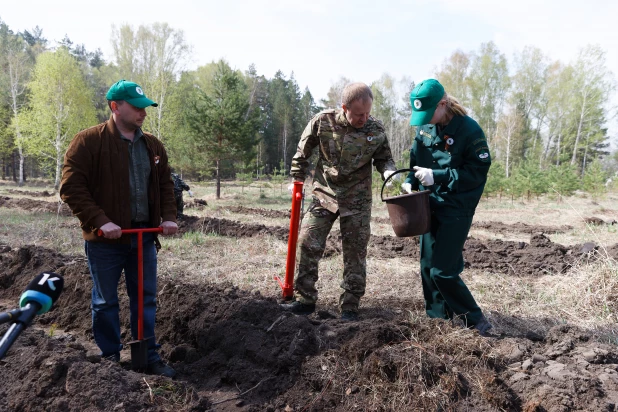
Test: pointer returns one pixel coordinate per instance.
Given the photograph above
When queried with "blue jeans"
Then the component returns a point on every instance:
(106, 263)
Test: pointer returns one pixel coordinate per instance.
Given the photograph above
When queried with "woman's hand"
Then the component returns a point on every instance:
(424, 175)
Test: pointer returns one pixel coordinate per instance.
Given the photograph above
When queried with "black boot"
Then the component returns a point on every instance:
(299, 308)
(160, 368)
(483, 326)
(349, 315)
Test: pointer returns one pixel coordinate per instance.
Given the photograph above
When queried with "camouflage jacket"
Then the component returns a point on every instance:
(179, 184)
(342, 178)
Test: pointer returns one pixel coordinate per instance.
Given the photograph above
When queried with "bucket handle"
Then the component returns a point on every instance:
(389, 178)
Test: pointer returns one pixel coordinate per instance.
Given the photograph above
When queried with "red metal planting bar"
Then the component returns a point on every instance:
(288, 285)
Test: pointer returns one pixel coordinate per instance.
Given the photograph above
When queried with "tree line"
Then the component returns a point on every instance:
(541, 118)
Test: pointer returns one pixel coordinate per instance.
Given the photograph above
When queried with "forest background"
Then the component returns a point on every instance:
(546, 120)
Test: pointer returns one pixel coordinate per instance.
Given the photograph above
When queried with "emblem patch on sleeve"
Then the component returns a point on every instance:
(483, 154)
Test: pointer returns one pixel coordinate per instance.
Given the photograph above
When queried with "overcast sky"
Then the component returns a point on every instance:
(322, 40)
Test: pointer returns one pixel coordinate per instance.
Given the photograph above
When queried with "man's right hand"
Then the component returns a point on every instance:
(406, 187)
(291, 185)
(111, 231)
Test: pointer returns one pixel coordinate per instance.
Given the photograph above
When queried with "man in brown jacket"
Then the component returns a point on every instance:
(117, 177)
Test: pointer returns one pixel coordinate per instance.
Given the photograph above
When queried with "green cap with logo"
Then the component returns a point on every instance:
(424, 100)
(131, 93)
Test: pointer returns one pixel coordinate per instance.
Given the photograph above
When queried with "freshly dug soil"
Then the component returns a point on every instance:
(236, 350)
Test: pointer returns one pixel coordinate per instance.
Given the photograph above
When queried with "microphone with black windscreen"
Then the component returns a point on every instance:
(38, 298)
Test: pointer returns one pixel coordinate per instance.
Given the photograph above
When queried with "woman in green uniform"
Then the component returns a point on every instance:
(449, 157)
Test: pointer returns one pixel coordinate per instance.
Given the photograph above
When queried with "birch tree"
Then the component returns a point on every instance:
(391, 105)
(528, 84)
(152, 56)
(508, 138)
(559, 96)
(60, 106)
(454, 76)
(333, 96)
(489, 82)
(591, 91)
(16, 64)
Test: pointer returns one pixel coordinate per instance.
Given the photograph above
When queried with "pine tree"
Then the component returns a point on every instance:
(594, 179)
(219, 121)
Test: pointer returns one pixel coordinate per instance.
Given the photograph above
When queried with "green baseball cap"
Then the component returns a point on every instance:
(424, 100)
(131, 93)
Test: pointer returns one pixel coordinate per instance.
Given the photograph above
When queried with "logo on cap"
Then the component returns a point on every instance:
(139, 91)
(417, 104)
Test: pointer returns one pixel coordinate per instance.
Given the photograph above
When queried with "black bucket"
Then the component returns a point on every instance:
(410, 214)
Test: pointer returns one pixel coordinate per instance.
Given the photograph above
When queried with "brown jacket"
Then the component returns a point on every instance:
(95, 181)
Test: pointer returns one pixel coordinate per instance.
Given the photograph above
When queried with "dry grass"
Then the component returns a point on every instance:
(169, 396)
(432, 367)
(550, 212)
(19, 227)
(249, 263)
(585, 296)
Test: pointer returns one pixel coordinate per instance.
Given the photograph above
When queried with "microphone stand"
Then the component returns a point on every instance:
(20, 319)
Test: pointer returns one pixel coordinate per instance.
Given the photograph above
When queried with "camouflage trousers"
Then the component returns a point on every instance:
(355, 232)
(180, 205)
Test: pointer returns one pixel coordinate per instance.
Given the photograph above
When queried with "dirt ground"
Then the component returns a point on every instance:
(539, 256)
(35, 205)
(235, 350)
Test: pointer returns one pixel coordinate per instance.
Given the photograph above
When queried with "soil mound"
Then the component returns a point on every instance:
(276, 214)
(566, 371)
(197, 204)
(235, 350)
(597, 221)
(227, 227)
(540, 256)
(283, 214)
(503, 228)
(36, 205)
(44, 193)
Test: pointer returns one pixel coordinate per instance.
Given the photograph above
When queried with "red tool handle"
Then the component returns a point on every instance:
(131, 231)
(140, 272)
(288, 284)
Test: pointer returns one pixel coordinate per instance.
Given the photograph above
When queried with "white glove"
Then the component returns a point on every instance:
(424, 175)
(291, 187)
(190, 193)
(386, 174)
(407, 187)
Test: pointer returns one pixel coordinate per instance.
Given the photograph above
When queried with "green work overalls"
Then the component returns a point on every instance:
(460, 159)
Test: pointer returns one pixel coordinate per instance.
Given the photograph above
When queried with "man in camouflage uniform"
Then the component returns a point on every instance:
(349, 140)
(179, 186)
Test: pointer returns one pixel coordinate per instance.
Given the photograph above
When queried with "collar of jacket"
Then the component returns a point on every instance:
(113, 129)
(341, 119)
(426, 135)
(452, 126)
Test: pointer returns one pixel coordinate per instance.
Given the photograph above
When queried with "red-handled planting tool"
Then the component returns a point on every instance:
(139, 347)
(288, 284)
